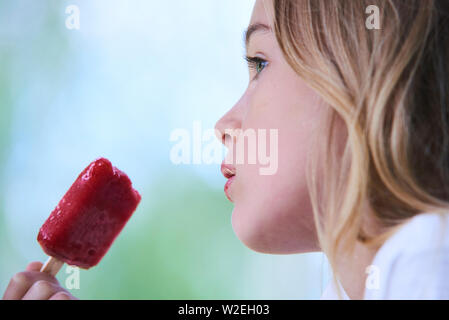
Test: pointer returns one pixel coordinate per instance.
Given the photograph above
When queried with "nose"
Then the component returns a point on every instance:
(231, 121)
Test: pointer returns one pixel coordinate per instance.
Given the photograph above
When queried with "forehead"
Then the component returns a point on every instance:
(261, 12)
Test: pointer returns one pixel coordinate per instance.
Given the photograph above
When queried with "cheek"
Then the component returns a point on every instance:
(273, 213)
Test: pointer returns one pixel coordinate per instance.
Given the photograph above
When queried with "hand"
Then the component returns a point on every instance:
(34, 285)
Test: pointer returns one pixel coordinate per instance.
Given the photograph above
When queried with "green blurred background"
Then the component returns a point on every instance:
(134, 72)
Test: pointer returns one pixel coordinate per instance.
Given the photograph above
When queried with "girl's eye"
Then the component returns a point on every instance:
(256, 63)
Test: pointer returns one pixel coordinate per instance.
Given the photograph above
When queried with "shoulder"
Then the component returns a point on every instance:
(331, 292)
(414, 262)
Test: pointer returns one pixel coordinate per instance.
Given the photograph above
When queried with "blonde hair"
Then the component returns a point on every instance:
(389, 90)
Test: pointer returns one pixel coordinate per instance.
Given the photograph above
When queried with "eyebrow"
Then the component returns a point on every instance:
(253, 28)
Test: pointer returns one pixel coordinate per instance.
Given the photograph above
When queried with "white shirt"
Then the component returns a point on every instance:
(411, 264)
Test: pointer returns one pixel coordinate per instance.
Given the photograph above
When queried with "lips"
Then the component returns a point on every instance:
(227, 170)
(229, 173)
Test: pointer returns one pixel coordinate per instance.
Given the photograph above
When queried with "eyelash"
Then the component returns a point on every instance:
(254, 64)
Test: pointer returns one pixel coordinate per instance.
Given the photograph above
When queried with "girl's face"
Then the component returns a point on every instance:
(272, 213)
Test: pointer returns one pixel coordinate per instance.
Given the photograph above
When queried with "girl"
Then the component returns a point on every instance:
(362, 116)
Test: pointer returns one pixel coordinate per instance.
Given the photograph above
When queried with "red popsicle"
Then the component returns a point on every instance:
(88, 218)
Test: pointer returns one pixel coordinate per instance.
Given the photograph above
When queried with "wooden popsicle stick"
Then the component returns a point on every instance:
(52, 266)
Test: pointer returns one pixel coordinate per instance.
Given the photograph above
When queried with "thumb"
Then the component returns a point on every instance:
(34, 266)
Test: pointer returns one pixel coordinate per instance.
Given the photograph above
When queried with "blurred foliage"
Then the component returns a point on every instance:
(29, 56)
(6, 57)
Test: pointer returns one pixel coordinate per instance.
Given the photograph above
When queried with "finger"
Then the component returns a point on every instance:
(18, 286)
(62, 295)
(41, 290)
(34, 266)
(21, 282)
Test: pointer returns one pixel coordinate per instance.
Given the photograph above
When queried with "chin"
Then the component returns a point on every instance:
(260, 236)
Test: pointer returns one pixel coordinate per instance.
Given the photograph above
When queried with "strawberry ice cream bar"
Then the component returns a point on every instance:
(90, 216)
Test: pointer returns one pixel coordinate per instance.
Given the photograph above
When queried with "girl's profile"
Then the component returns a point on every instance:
(362, 121)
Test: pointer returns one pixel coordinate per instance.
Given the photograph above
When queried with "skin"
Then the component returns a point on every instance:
(266, 216)
(34, 285)
(272, 214)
